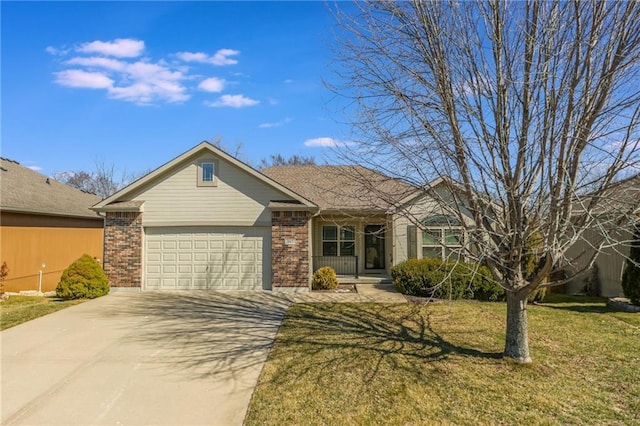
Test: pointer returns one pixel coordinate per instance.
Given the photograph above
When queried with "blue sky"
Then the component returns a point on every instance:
(137, 83)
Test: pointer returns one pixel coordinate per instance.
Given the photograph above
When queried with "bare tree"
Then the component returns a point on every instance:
(104, 180)
(532, 107)
(279, 160)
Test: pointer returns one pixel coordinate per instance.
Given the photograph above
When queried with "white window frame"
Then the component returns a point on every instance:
(339, 240)
(201, 181)
(441, 240)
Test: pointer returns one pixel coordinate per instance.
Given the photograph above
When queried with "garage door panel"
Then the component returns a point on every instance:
(200, 245)
(207, 258)
(200, 257)
(169, 245)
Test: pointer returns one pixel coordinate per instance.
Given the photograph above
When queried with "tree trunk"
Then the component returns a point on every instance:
(517, 341)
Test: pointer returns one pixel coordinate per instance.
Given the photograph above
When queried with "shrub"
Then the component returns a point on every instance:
(4, 271)
(83, 279)
(440, 279)
(324, 279)
(631, 274)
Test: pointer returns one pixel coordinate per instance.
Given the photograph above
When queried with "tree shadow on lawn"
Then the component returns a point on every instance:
(369, 334)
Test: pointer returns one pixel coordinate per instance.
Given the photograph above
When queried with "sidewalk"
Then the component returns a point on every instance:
(367, 293)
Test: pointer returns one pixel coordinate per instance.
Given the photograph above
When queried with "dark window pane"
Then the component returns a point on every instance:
(330, 248)
(348, 233)
(432, 252)
(207, 172)
(347, 249)
(453, 237)
(330, 232)
(431, 237)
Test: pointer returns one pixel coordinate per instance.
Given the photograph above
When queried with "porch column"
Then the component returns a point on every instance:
(290, 250)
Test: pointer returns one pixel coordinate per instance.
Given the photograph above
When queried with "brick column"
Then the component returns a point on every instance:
(123, 249)
(290, 249)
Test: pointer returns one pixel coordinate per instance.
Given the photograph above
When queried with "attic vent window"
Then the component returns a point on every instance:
(207, 173)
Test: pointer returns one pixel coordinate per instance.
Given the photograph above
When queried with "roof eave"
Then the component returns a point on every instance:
(49, 213)
(204, 145)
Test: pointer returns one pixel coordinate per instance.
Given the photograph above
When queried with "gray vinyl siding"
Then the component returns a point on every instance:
(238, 199)
(611, 262)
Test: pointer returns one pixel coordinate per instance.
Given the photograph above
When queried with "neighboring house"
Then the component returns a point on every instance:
(44, 226)
(619, 200)
(205, 220)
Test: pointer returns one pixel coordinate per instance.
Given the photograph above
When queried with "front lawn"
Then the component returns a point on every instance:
(19, 309)
(440, 363)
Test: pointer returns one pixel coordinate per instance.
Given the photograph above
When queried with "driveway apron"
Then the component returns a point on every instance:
(189, 358)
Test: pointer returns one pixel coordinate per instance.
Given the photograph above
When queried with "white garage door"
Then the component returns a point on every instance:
(207, 258)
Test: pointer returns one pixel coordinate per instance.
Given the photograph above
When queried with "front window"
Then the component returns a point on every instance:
(338, 240)
(444, 241)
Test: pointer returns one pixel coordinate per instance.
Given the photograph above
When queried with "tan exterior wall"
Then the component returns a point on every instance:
(611, 262)
(238, 199)
(26, 248)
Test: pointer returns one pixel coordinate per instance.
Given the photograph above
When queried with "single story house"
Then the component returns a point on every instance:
(206, 220)
(44, 226)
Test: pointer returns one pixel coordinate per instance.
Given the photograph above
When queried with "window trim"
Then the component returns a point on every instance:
(200, 173)
(339, 240)
(441, 240)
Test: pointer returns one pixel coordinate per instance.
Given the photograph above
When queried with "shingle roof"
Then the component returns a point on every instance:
(24, 190)
(341, 188)
(620, 198)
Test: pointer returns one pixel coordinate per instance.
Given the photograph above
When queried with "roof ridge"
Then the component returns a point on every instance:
(9, 160)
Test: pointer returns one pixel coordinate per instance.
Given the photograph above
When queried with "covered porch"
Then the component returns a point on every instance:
(356, 247)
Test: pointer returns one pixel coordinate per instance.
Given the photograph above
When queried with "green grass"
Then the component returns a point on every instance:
(440, 363)
(19, 309)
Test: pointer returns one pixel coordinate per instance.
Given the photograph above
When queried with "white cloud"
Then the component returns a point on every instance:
(139, 82)
(325, 142)
(55, 51)
(83, 79)
(121, 47)
(276, 123)
(34, 168)
(220, 58)
(288, 81)
(116, 67)
(98, 62)
(233, 101)
(212, 84)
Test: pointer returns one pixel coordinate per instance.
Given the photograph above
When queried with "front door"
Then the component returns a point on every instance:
(374, 247)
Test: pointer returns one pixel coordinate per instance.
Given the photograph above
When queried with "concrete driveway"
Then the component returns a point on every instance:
(140, 359)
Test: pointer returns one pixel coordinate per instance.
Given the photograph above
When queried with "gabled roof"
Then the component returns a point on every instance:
(203, 147)
(342, 188)
(619, 198)
(26, 191)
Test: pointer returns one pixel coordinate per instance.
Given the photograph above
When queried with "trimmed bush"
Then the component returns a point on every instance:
(83, 279)
(631, 274)
(324, 279)
(444, 280)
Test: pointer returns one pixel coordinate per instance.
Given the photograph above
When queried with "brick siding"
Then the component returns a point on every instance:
(123, 249)
(290, 249)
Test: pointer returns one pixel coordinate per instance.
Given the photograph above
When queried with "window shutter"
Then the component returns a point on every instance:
(412, 242)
